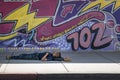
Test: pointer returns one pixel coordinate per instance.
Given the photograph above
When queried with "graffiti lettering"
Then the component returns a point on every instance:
(80, 24)
(84, 37)
(100, 40)
(74, 39)
(61, 29)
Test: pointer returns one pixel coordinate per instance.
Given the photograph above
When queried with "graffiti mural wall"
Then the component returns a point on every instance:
(64, 24)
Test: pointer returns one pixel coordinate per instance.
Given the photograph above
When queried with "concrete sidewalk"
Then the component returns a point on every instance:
(82, 63)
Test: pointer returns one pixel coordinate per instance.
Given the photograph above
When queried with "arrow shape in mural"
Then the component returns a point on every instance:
(67, 10)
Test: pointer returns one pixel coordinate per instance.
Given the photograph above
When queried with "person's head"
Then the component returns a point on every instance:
(56, 54)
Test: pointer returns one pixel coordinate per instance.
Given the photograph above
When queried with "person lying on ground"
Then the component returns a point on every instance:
(45, 56)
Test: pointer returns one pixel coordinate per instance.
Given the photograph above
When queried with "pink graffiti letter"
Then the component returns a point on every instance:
(85, 38)
(74, 39)
(100, 40)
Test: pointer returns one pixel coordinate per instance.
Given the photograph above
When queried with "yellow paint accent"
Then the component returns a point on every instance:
(102, 3)
(117, 4)
(22, 17)
(8, 36)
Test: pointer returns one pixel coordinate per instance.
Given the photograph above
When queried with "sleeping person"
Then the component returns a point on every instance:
(45, 56)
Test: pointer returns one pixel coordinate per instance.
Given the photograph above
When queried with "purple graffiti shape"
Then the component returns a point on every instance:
(66, 27)
(67, 11)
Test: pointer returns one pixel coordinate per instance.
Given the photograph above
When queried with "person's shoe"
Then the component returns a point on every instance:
(67, 59)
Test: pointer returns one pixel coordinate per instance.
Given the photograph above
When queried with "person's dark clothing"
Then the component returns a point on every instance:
(49, 57)
(37, 56)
